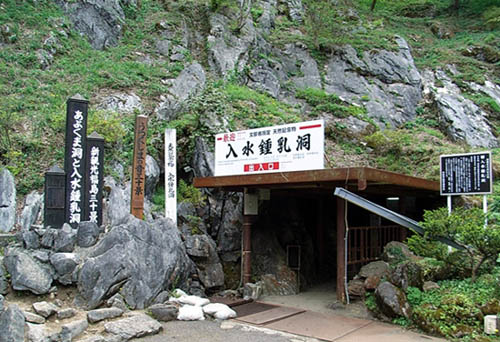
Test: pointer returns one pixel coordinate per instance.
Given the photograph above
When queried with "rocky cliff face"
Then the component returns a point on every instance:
(386, 83)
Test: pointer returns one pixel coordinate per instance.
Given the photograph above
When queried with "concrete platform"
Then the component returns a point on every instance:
(327, 327)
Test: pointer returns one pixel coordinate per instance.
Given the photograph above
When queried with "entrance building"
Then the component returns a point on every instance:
(341, 237)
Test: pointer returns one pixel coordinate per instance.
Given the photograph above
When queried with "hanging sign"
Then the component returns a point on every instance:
(466, 174)
(170, 175)
(292, 147)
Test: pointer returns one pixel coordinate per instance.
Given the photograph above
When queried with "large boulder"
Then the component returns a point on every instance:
(12, 324)
(386, 83)
(459, 117)
(379, 269)
(189, 83)
(7, 201)
(134, 326)
(100, 21)
(203, 251)
(87, 234)
(26, 274)
(32, 205)
(392, 301)
(64, 265)
(118, 204)
(139, 259)
(396, 252)
(407, 274)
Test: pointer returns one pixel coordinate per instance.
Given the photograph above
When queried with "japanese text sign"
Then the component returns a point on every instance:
(74, 161)
(469, 173)
(292, 147)
(139, 167)
(171, 174)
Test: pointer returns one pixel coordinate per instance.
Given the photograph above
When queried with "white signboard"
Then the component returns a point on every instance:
(292, 147)
(171, 175)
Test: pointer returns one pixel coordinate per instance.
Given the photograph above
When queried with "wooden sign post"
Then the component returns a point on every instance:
(94, 178)
(74, 159)
(139, 167)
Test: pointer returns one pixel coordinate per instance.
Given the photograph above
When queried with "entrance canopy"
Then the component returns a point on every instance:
(363, 179)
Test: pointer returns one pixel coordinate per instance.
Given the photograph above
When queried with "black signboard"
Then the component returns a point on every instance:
(94, 178)
(55, 182)
(74, 159)
(463, 174)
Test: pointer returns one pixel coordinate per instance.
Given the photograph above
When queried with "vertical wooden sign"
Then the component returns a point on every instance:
(74, 159)
(139, 167)
(94, 178)
(171, 175)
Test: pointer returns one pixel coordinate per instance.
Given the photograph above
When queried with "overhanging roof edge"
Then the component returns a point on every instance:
(314, 177)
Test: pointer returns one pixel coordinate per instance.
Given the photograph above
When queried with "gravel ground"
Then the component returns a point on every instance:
(213, 331)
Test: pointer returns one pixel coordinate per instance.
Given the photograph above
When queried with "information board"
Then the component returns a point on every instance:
(292, 147)
(463, 174)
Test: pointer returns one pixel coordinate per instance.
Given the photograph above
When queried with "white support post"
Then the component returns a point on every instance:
(448, 200)
(485, 209)
(171, 175)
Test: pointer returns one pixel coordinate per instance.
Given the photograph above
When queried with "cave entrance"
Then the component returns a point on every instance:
(297, 211)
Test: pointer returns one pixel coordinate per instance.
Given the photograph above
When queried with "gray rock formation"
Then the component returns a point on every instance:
(227, 52)
(138, 258)
(203, 251)
(33, 318)
(387, 83)
(203, 159)
(118, 206)
(37, 333)
(7, 201)
(65, 239)
(26, 273)
(295, 10)
(1, 303)
(12, 324)
(32, 205)
(44, 309)
(64, 264)
(376, 268)
(73, 329)
(189, 83)
(407, 274)
(122, 103)
(459, 117)
(228, 221)
(98, 315)
(100, 21)
(66, 313)
(164, 312)
(31, 239)
(87, 234)
(152, 176)
(392, 301)
(134, 326)
(4, 282)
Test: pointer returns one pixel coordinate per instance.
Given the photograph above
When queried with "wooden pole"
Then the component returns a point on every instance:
(341, 267)
(139, 167)
(247, 249)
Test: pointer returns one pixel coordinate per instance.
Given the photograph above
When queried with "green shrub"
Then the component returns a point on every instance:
(188, 193)
(427, 248)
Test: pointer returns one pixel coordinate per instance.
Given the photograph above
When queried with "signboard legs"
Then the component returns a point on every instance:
(171, 175)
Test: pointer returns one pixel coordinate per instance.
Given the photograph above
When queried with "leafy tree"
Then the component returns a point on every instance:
(467, 228)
